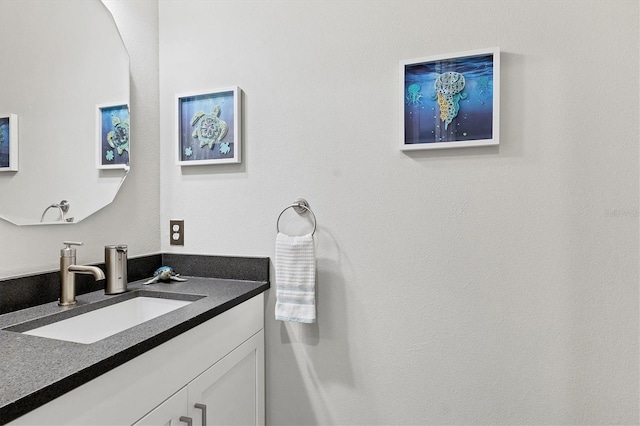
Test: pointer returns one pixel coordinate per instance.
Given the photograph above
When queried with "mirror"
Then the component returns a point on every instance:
(65, 69)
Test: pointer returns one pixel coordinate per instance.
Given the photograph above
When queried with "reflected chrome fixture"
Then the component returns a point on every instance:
(68, 269)
(63, 208)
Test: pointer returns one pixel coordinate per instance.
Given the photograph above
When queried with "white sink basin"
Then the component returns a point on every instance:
(104, 322)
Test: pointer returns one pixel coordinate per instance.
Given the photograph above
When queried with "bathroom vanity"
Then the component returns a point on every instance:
(202, 360)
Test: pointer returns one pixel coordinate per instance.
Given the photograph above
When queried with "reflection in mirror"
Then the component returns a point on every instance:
(62, 62)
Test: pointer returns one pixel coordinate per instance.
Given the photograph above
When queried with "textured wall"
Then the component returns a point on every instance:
(476, 286)
(133, 217)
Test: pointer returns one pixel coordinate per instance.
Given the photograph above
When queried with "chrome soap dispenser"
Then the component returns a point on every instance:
(115, 259)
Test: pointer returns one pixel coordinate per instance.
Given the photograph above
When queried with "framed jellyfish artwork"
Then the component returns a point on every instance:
(208, 127)
(9, 143)
(450, 101)
(113, 139)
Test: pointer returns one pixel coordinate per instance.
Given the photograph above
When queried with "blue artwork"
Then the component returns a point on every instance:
(4, 142)
(413, 96)
(114, 135)
(225, 147)
(206, 126)
(449, 100)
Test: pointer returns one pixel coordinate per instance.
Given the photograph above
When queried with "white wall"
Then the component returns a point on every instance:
(133, 218)
(477, 286)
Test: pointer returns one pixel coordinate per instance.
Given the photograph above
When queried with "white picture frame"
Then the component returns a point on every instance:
(9, 158)
(450, 100)
(208, 127)
(113, 136)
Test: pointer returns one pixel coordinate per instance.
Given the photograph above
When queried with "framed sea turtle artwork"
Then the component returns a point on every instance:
(450, 101)
(9, 143)
(208, 127)
(113, 136)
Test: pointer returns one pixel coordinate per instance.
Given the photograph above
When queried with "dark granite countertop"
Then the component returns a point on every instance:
(35, 370)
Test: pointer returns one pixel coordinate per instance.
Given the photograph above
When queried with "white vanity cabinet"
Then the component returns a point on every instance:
(228, 393)
(218, 365)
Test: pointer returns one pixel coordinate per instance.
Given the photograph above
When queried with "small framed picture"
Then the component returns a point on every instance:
(450, 101)
(9, 143)
(208, 127)
(113, 139)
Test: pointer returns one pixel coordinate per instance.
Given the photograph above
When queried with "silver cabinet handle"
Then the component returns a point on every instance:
(187, 420)
(203, 407)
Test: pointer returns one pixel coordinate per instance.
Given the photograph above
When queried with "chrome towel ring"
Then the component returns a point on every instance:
(301, 206)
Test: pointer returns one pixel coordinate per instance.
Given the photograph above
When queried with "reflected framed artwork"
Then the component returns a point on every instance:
(113, 139)
(9, 143)
(450, 101)
(208, 127)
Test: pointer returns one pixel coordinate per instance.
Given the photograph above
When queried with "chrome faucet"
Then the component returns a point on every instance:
(68, 269)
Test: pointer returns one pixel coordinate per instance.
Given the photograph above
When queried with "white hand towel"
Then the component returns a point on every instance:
(295, 278)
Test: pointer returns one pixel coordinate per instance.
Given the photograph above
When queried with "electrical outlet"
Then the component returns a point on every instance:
(176, 233)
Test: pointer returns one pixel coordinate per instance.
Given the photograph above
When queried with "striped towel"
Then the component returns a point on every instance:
(295, 278)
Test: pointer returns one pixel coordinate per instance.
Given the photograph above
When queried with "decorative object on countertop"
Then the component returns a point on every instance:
(115, 260)
(450, 101)
(165, 274)
(295, 265)
(9, 143)
(209, 127)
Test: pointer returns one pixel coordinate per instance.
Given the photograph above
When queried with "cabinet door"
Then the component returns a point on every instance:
(168, 413)
(232, 390)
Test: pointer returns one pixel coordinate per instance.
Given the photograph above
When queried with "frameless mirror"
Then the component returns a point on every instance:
(65, 75)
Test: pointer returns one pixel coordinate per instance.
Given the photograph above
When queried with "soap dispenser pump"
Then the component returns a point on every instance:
(115, 259)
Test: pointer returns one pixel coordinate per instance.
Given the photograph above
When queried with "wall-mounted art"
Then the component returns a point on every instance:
(208, 126)
(9, 143)
(114, 141)
(450, 101)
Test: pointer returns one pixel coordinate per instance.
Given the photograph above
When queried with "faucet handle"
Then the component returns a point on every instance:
(68, 244)
(69, 251)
